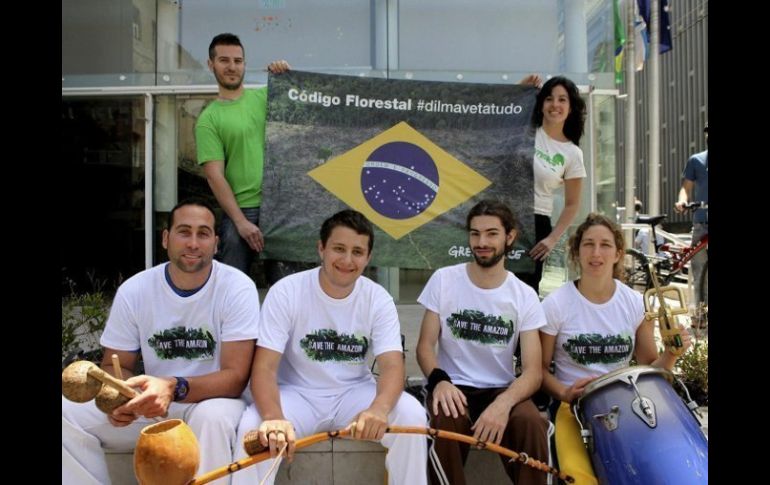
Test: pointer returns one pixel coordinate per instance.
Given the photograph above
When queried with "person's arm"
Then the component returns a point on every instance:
(445, 394)
(492, 422)
(157, 393)
(264, 383)
(278, 67)
(685, 193)
(127, 362)
(572, 188)
(646, 351)
(426, 344)
(532, 80)
(215, 175)
(550, 384)
(230, 380)
(275, 430)
(553, 386)
(372, 422)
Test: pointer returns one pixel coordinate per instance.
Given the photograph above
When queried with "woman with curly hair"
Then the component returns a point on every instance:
(593, 326)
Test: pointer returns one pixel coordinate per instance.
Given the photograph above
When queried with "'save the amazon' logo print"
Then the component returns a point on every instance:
(477, 326)
(593, 348)
(327, 345)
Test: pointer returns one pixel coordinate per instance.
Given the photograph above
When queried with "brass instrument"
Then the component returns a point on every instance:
(669, 330)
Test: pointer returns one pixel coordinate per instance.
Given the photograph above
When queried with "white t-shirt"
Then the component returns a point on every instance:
(592, 339)
(642, 242)
(479, 327)
(324, 341)
(182, 335)
(554, 162)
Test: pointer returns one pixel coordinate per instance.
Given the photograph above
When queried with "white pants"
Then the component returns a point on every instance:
(86, 433)
(406, 460)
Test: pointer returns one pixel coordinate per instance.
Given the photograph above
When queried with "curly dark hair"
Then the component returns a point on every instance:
(575, 122)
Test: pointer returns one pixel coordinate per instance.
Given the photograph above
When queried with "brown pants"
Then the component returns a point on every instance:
(526, 432)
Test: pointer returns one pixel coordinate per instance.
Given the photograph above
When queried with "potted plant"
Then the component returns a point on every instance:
(693, 369)
(82, 321)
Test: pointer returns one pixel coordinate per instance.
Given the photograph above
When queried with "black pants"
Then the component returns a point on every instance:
(526, 432)
(542, 230)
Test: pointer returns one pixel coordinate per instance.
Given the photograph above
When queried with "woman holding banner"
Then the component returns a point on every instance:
(559, 117)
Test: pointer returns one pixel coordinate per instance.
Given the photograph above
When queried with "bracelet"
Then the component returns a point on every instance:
(436, 376)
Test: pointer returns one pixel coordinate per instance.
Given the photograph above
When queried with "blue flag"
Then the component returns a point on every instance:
(665, 23)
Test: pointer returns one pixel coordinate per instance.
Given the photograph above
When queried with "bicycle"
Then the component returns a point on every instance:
(671, 264)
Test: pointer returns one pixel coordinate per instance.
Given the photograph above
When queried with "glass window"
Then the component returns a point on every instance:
(603, 113)
(108, 43)
(485, 35)
(122, 42)
(177, 173)
(311, 35)
(102, 152)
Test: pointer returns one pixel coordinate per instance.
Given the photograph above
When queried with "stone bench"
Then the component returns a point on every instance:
(338, 462)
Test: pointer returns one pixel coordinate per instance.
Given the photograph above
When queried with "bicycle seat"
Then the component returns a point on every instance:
(654, 220)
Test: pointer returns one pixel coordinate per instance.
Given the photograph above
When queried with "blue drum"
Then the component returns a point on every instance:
(639, 431)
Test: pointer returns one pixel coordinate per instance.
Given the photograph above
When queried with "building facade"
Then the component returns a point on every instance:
(134, 80)
(683, 110)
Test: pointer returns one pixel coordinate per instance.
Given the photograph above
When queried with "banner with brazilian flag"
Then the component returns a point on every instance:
(412, 156)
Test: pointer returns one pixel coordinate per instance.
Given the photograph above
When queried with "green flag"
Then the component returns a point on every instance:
(620, 39)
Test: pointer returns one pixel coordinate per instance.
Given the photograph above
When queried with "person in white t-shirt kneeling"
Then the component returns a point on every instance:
(476, 312)
(309, 373)
(194, 321)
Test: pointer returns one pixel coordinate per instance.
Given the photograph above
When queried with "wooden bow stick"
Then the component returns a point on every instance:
(432, 432)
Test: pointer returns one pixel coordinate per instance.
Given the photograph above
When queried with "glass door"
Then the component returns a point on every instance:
(102, 208)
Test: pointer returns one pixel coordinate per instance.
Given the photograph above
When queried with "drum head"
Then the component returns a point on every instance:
(623, 375)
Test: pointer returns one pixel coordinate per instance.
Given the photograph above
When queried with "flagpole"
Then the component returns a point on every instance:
(630, 145)
(654, 107)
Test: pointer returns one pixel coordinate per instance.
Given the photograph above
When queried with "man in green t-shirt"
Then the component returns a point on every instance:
(230, 139)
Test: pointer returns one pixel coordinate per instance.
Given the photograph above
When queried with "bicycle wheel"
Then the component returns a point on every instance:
(637, 273)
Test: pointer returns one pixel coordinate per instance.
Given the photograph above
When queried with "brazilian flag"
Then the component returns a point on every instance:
(399, 180)
(412, 156)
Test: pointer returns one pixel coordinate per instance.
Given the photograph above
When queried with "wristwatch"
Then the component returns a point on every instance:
(181, 389)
